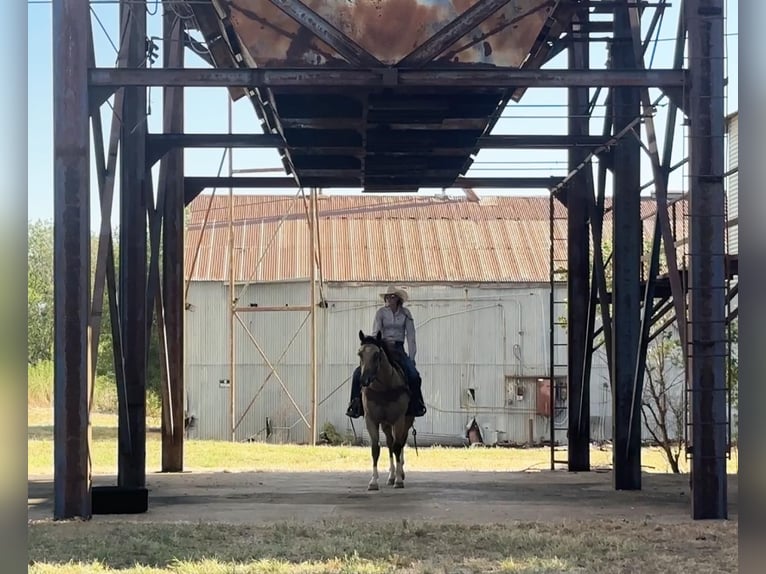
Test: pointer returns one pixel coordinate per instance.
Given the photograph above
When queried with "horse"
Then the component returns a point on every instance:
(385, 398)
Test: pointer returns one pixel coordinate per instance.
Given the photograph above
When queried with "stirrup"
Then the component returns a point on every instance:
(354, 409)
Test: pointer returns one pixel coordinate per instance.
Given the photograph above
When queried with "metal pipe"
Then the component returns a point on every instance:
(232, 297)
(313, 311)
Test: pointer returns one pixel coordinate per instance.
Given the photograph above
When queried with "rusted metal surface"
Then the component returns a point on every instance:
(389, 30)
(131, 465)
(311, 80)
(171, 178)
(325, 31)
(453, 31)
(71, 180)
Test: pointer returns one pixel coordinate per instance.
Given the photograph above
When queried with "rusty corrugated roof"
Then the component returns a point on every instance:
(378, 238)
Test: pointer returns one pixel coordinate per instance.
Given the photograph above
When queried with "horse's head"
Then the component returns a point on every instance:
(370, 354)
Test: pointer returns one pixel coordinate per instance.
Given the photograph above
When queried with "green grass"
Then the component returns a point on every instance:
(596, 546)
(218, 455)
(40, 391)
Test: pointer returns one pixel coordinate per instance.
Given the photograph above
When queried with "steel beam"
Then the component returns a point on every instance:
(71, 261)
(529, 141)
(172, 179)
(456, 29)
(627, 246)
(578, 262)
(160, 144)
(707, 286)
(131, 471)
(307, 78)
(195, 185)
(325, 31)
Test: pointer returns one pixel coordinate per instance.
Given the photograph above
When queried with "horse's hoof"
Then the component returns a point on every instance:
(391, 482)
(372, 487)
(399, 485)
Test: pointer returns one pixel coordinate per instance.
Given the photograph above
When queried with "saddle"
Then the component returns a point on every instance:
(397, 360)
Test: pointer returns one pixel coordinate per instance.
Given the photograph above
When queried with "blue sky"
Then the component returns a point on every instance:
(540, 111)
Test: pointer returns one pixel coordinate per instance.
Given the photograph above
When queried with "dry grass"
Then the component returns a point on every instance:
(216, 455)
(340, 547)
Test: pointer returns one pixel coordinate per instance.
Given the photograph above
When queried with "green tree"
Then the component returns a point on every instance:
(40, 292)
(662, 402)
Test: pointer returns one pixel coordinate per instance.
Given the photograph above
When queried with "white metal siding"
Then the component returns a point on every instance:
(479, 337)
(732, 183)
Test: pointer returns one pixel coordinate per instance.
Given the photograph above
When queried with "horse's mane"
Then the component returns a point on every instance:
(383, 344)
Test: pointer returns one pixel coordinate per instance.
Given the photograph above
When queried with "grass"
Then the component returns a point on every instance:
(217, 455)
(40, 391)
(598, 546)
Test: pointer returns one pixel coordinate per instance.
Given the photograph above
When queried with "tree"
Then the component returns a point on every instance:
(662, 403)
(40, 292)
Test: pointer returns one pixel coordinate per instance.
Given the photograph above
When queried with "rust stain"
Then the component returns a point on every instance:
(497, 239)
(388, 29)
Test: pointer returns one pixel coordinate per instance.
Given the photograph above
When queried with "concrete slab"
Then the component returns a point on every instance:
(458, 497)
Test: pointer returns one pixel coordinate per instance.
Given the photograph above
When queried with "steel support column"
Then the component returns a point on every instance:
(627, 247)
(71, 260)
(578, 259)
(707, 341)
(133, 245)
(172, 177)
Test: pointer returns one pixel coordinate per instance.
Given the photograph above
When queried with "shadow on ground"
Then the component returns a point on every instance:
(456, 497)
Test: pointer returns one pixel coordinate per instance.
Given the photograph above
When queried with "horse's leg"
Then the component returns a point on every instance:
(374, 431)
(408, 425)
(390, 443)
(400, 438)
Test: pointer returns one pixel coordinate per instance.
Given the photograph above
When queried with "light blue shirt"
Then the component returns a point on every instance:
(396, 327)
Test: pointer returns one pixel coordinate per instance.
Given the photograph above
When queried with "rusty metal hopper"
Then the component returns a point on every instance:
(392, 138)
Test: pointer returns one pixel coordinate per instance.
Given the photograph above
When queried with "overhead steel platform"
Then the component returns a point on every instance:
(391, 136)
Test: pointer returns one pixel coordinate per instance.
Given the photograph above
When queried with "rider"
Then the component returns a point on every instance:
(395, 323)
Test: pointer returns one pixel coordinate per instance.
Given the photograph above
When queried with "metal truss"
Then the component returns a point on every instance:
(148, 282)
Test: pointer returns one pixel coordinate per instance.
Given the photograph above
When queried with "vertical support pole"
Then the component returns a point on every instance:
(172, 252)
(313, 305)
(71, 260)
(627, 245)
(232, 295)
(578, 296)
(133, 254)
(707, 352)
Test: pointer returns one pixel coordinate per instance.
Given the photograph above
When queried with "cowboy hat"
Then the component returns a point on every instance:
(398, 291)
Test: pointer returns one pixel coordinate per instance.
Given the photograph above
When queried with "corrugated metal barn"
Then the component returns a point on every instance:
(478, 277)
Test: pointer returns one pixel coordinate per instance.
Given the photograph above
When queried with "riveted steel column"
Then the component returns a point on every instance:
(578, 275)
(627, 247)
(71, 260)
(707, 286)
(131, 466)
(172, 177)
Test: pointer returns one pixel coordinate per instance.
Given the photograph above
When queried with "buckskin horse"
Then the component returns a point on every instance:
(385, 398)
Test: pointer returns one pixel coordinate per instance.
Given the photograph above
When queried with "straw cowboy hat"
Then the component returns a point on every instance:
(398, 291)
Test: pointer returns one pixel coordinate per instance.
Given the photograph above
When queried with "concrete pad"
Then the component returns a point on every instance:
(458, 497)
